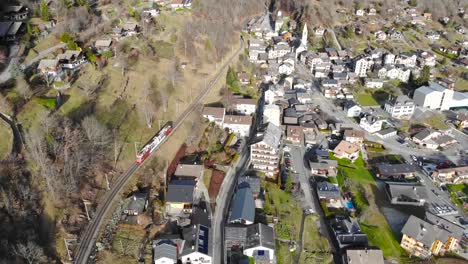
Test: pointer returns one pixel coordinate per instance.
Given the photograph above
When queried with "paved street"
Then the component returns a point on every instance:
(222, 204)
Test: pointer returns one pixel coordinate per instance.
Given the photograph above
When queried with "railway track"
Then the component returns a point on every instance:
(87, 242)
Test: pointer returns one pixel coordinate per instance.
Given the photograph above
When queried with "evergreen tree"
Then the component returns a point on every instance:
(44, 11)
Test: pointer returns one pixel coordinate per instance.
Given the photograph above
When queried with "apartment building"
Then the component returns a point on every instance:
(265, 152)
(436, 236)
(400, 107)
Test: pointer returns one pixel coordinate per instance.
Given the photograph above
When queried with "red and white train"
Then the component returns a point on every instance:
(154, 143)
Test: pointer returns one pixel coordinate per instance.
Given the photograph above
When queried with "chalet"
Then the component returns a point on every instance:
(71, 59)
(330, 194)
(354, 136)
(346, 150)
(135, 206)
(348, 232)
(102, 45)
(179, 197)
(455, 175)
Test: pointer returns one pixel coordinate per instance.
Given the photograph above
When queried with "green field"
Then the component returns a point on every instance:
(460, 188)
(357, 179)
(282, 205)
(366, 99)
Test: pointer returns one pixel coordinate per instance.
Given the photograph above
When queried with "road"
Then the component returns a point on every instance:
(88, 239)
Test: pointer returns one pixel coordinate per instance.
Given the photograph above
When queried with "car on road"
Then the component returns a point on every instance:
(287, 155)
(413, 157)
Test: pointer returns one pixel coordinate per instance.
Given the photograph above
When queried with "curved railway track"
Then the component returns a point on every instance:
(88, 239)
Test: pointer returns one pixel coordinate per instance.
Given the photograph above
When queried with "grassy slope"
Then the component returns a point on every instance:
(6, 139)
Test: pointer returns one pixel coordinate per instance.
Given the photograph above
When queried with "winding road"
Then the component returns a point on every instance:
(87, 241)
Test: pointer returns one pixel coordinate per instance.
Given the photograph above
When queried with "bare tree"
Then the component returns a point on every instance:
(98, 136)
(5, 106)
(30, 251)
(147, 109)
(22, 87)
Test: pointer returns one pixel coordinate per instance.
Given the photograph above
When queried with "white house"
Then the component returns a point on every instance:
(389, 58)
(262, 245)
(427, 59)
(352, 109)
(272, 114)
(360, 12)
(319, 31)
(244, 106)
(361, 65)
(380, 35)
(374, 83)
(197, 245)
(433, 35)
(238, 124)
(286, 68)
(371, 123)
(214, 114)
(398, 72)
(400, 107)
(407, 59)
(274, 93)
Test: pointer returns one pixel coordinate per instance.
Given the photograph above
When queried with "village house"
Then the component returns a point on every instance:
(294, 134)
(198, 244)
(400, 107)
(243, 77)
(380, 35)
(255, 241)
(167, 251)
(433, 35)
(395, 171)
(330, 194)
(371, 123)
(348, 232)
(406, 59)
(455, 175)
(406, 194)
(272, 114)
(192, 172)
(49, 67)
(387, 133)
(102, 45)
(179, 197)
(279, 50)
(324, 167)
(352, 109)
(361, 65)
(243, 206)
(423, 239)
(265, 151)
(243, 106)
(238, 124)
(346, 150)
(433, 139)
(134, 208)
(71, 59)
(319, 31)
(354, 136)
(214, 114)
(374, 83)
(427, 59)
